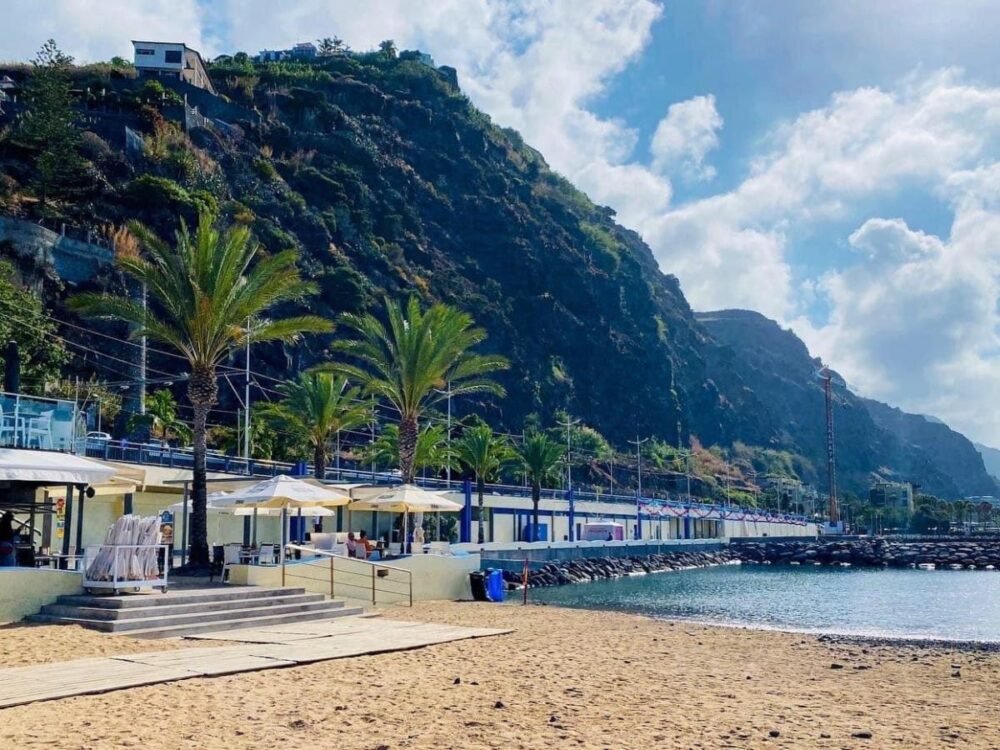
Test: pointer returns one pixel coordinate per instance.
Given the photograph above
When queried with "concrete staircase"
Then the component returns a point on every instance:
(185, 612)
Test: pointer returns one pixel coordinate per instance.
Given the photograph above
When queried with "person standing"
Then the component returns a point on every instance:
(8, 552)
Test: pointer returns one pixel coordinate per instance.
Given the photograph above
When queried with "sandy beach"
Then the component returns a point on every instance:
(564, 678)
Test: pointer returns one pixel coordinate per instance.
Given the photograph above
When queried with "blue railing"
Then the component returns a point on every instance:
(182, 458)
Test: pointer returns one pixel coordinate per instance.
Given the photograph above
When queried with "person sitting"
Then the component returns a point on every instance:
(352, 545)
(364, 544)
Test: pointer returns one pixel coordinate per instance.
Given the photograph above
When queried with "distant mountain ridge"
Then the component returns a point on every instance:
(771, 373)
(991, 458)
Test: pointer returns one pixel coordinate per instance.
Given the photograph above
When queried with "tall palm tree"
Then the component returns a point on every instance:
(203, 293)
(542, 457)
(408, 362)
(484, 452)
(318, 406)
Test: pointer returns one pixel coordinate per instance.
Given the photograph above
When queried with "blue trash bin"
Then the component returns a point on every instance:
(494, 585)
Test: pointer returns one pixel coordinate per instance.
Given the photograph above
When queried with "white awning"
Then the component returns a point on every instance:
(48, 467)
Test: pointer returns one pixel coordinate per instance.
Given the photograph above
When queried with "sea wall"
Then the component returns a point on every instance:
(874, 552)
(605, 568)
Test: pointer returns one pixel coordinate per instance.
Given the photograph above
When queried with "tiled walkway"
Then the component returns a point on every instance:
(261, 648)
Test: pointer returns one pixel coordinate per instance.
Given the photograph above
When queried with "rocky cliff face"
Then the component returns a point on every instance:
(770, 374)
(388, 181)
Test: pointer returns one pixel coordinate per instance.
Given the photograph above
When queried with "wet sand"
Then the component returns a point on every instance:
(564, 678)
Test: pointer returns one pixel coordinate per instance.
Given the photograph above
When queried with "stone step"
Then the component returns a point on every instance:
(253, 622)
(217, 620)
(179, 596)
(207, 608)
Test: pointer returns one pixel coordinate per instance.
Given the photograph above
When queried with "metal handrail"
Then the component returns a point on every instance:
(372, 565)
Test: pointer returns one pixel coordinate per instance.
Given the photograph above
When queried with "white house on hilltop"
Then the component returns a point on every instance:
(171, 60)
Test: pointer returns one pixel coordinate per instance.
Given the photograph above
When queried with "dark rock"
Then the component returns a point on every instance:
(774, 733)
(862, 735)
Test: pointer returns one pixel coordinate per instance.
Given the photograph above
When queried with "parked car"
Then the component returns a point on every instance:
(95, 435)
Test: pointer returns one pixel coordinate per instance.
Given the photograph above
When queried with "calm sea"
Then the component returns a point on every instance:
(953, 605)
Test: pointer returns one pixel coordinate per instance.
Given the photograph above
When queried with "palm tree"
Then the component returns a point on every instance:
(484, 452)
(542, 457)
(161, 417)
(432, 450)
(203, 294)
(318, 406)
(411, 360)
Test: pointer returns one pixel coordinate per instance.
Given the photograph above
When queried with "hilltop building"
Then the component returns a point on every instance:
(301, 51)
(171, 60)
(891, 495)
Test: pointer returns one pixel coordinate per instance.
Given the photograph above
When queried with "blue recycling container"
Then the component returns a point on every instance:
(494, 585)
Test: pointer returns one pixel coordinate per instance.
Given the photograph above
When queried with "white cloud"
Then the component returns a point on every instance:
(688, 132)
(94, 30)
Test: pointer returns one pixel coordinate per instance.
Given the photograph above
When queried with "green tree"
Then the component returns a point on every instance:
(319, 406)
(542, 457)
(23, 319)
(328, 46)
(203, 293)
(387, 49)
(485, 453)
(411, 360)
(49, 125)
(161, 417)
(432, 450)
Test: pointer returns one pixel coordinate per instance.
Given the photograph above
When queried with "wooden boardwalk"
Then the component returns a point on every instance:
(260, 648)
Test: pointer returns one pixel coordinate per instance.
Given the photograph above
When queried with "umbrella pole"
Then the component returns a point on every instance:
(283, 528)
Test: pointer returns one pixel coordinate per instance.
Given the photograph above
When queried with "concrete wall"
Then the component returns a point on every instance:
(24, 591)
(435, 577)
(73, 260)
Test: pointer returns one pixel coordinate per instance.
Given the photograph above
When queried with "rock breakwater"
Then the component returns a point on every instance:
(582, 570)
(965, 554)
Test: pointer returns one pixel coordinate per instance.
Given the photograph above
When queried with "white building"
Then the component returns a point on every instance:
(171, 60)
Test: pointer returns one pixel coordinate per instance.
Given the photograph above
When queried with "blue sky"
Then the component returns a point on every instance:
(833, 165)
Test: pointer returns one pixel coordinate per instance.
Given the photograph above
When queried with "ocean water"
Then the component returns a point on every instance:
(950, 605)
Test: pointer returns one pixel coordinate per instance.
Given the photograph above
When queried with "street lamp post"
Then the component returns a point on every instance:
(448, 441)
(638, 496)
(569, 424)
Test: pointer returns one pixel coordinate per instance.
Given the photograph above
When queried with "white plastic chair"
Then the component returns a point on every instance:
(266, 555)
(9, 424)
(40, 428)
(230, 556)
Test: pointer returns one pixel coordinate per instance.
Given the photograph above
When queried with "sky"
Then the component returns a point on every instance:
(833, 165)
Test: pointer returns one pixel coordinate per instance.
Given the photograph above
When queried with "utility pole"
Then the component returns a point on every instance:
(373, 443)
(142, 361)
(831, 464)
(638, 457)
(246, 404)
(638, 495)
(448, 440)
(569, 424)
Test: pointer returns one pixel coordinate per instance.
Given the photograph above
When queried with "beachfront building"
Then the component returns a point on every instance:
(898, 495)
(171, 60)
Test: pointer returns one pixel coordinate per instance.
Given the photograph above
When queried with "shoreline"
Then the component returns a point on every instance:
(822, 636)
(563, 677)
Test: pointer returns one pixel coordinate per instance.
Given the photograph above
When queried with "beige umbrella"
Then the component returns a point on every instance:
(282, 492)
(403, 498)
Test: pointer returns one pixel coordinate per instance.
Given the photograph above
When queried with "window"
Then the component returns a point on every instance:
(172, 56)
(144, 51)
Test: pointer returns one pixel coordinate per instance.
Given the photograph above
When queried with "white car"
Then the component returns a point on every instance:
(98, 436)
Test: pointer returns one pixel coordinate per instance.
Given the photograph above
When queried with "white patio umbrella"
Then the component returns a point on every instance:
(403, 498)
(282, 492)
